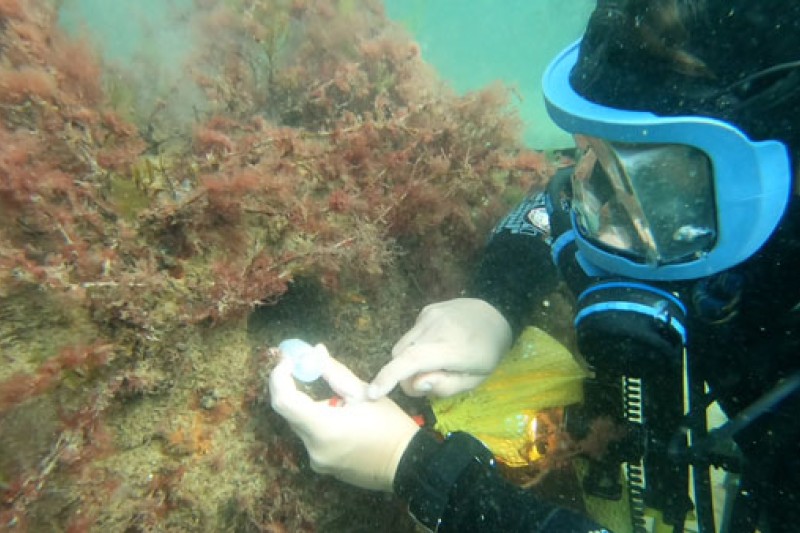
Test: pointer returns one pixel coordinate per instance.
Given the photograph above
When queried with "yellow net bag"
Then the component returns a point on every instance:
(538, 373)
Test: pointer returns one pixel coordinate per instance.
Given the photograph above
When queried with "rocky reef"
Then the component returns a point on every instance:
(302, 173)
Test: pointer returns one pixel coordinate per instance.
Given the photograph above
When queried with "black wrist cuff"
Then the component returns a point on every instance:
(429, 469)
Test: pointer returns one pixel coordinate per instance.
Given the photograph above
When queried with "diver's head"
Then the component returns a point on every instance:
(688, 112)
(734, 60)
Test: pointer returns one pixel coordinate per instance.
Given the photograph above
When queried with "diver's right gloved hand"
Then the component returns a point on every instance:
(453, 347)
(359, 442)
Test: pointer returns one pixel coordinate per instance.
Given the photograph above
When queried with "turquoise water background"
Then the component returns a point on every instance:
(475, 42)
(125, 29)
(471, 43)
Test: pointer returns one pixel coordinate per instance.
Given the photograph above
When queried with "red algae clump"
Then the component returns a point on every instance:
(305, 174)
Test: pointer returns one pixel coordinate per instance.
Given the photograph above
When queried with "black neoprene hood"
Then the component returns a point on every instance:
(731, 60)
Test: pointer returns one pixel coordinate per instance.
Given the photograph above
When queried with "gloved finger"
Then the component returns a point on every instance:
(430, 311)
(455, 382)
(441, 384)
(421, 384)
(296, 407)
(416, 359)
(420, 330)
(343, 382)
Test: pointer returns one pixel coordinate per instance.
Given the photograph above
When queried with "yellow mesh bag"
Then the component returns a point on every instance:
(538, 373)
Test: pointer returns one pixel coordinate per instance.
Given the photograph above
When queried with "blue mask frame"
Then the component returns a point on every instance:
(752, 179)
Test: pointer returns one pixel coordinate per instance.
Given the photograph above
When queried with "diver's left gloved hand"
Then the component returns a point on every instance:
(452, 348)
(358, 442)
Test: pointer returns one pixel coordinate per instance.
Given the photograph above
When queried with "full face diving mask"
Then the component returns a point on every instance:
(653, 204)
(662, 199)
(665, 197)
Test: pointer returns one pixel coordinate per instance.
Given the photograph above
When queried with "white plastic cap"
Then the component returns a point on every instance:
(308, 361)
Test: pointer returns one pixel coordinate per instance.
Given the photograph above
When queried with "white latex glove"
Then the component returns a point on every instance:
(453, 347)
(359, 442)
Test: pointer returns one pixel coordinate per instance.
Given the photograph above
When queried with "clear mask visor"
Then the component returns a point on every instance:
(652, 203)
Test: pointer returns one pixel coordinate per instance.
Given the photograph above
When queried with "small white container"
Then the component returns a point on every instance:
(308, 361)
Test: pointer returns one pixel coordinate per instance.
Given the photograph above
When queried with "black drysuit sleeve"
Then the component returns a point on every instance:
(516, 272)
(453, 486)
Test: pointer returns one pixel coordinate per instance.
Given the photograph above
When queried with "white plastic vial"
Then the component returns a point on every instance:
(308, 365)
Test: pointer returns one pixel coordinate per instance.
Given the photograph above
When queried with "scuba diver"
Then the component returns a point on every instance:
(677, 233)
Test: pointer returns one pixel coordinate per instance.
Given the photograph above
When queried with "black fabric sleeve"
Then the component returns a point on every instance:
(516, 271)
(453, 486)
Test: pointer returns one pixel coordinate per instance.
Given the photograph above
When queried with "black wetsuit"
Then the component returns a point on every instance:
(452, 485)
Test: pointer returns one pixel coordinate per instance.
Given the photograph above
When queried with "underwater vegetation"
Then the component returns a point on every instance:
(302, 172)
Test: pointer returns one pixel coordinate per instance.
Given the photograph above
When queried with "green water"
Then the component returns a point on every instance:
(127, 30)
(473, 43)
